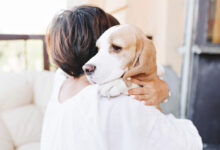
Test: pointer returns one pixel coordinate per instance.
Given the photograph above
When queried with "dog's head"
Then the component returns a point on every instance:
(122, 50)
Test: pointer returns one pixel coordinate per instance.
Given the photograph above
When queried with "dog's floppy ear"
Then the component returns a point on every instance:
(145, 67)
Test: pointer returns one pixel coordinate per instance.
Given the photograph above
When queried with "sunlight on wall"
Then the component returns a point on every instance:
(28, 16)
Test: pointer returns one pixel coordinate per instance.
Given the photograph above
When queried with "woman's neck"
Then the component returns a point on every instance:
(71, 87)
(82, 80)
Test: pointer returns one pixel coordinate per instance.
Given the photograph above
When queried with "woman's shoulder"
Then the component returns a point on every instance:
(59, 78)
(126, 100)
(123, 104)
(130, 107)
(60, 73)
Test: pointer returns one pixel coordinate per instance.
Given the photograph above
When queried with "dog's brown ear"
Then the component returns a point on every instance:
(146, 67)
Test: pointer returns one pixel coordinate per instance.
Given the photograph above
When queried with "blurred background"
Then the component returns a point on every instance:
(186, 34)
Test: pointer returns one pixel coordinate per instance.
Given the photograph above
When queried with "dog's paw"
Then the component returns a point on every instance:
(112, 89)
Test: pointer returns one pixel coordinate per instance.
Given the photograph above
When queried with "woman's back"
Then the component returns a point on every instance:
(87, 121)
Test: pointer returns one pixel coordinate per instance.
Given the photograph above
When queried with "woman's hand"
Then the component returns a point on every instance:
(153, 92)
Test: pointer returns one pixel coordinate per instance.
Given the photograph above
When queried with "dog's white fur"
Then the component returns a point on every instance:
(110, 64)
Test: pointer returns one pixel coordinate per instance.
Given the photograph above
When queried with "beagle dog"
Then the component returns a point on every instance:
(123, 52)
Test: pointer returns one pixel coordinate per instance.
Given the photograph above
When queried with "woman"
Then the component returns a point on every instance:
(77, 119)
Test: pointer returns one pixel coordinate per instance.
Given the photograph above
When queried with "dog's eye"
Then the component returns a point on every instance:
(116, 48)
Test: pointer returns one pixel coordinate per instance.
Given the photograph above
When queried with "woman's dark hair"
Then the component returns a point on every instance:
(72, 36)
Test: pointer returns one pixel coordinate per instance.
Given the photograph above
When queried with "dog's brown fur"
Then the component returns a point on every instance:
(145, 68)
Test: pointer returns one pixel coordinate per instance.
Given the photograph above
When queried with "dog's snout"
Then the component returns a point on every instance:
(89, 69)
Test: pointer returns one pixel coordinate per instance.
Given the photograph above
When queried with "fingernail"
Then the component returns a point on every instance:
(128, 78)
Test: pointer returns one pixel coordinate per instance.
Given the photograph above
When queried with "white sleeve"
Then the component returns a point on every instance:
(144, 127)
(171, 133)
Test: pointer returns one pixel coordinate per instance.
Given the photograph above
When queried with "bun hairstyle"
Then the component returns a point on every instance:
(72, 35)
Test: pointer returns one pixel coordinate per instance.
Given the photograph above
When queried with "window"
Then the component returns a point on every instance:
(213, 30)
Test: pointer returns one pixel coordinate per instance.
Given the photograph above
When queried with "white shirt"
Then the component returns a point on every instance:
(89, 122)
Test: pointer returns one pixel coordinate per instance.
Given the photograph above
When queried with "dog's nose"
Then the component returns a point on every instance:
(89, 69)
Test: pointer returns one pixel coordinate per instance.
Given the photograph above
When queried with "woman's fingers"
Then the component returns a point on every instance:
(138, 82)
(150, 102)
(137, 91)
(145, 84)
(142, 97)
